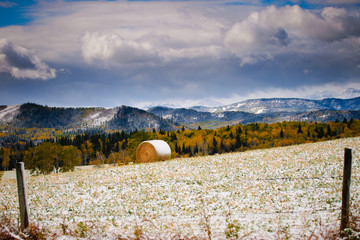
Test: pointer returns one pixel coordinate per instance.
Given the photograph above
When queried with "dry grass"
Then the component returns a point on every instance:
(9, 230)
(282, 193)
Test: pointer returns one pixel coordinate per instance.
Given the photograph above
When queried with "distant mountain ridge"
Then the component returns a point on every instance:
(127, 118)
(272, 105)
(263, 110)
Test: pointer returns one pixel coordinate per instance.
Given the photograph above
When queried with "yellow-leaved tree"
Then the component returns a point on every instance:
(48, 157)
(70, 157)
(6, 158)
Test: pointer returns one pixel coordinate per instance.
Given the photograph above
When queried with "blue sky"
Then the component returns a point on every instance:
(180, 53)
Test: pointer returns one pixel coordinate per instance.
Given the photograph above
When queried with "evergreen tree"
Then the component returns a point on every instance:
(299, 129)
(222, 146)
(173, 137)
(321, 132)
(231, 135)
(238, 141)
(176, 147)
(328, 131)
(180, 151)
(350, 122)
(215, 148)
(239, 130)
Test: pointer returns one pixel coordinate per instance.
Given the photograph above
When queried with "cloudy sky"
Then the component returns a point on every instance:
(141, 53)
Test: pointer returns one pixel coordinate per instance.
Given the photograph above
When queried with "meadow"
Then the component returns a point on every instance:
(289, 192)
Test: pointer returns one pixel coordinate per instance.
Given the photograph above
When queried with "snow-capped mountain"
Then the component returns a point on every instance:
(273, 105)
(263, 110)
(347, 94)
(126, 118)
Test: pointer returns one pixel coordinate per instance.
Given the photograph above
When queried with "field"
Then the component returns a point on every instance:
(281, 193)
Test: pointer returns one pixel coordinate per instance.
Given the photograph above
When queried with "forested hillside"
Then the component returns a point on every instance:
(126, 118)
(129, 119)
(123, 118)
(34, 115)
(99, 147)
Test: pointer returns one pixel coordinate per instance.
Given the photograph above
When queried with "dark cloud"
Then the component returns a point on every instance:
(20, 63)
(282, 38)
(16, 58)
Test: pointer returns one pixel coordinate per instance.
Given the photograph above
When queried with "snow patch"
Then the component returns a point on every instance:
(8, 114)
(261, 110)
(169, 116)
(100, 116)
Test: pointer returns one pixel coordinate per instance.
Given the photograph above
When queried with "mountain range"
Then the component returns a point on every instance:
(123, 118)
(30, 115)
(273, 105)
(262, 110)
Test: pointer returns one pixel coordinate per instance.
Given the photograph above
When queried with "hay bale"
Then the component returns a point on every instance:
(153, 150)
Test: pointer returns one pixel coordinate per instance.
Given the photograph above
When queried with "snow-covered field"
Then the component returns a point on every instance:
(289, 192)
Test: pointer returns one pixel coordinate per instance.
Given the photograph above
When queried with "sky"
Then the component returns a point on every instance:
(144, 53)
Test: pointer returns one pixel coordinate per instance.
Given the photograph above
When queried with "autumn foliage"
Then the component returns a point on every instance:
(61, 151)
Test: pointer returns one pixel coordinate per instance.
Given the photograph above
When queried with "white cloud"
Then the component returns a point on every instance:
(344, 91)
(179, 103)
(166, 45)
(20, 63)
(165, 32)
(162, 32)
(330, 90)
(122, 32)
(109, 47)
(289, 29)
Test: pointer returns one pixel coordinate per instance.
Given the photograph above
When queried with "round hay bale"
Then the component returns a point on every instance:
(153, 150)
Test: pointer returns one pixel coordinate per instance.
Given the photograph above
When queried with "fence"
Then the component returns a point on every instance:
(273, 180)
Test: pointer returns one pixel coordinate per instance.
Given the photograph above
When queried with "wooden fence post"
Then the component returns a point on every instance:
(24, 210)
(345, 207)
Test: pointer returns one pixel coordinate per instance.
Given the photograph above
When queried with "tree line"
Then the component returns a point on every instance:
(65, 152)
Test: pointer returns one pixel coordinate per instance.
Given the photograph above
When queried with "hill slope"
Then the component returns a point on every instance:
(128, 118)
(260, 194)
(125, 118)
